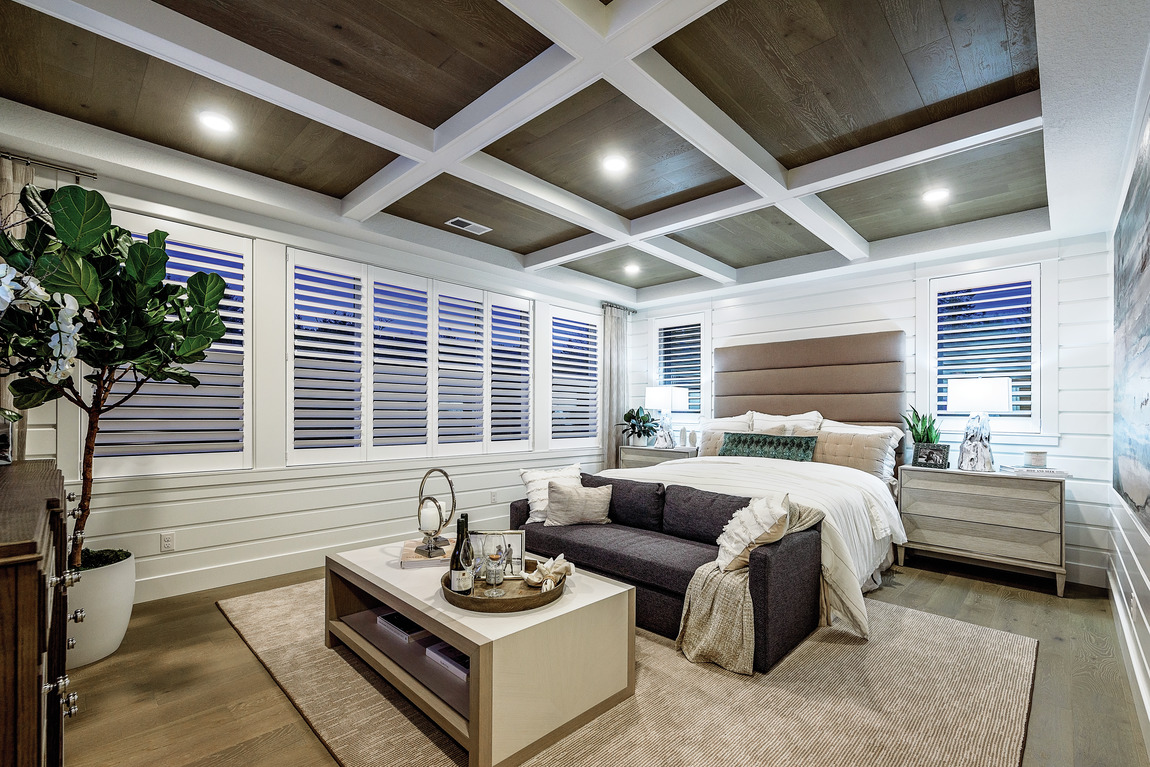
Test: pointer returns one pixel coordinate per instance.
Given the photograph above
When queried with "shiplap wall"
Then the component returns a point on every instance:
(851, 305)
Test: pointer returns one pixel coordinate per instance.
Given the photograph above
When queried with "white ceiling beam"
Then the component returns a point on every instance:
(814, 214)
(177, 39)
(687, 257)
(572, 250)
(1006, 119)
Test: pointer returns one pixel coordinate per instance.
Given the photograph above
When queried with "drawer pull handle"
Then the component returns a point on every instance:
(71, 643)
(68, 704)
(60, 685)
(66, 579)
(77, 616)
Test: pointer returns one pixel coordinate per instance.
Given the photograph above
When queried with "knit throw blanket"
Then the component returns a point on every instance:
(718, 622)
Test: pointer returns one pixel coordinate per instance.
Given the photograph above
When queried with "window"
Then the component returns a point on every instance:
(574, 377)
(169, 426)
(680, 357)
(986, 324)
(449, 369)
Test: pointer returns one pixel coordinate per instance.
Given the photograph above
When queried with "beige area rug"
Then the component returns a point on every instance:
(925, 690)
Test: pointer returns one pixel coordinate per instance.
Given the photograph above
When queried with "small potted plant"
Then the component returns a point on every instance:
(76, 291)
(639, 425)
(925, 434)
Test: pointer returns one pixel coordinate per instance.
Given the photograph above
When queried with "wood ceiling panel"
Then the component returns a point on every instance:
(62, 69)
(612, 266)
(566, 146)
(425, 60)
(988, 181)
(515, 226)
(813, 78)
(752, 238)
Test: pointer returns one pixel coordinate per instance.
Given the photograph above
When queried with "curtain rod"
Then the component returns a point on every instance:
(616, 306)
(49, 165)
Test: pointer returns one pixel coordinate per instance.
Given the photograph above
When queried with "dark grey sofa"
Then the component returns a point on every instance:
(660, 535)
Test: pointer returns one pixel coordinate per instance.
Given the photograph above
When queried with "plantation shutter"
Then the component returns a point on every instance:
(987, 331)
(327, 344)
(400, 360)
(574, 378)
(168, 418)
(681, 361)
(461, 355)
(510, 371)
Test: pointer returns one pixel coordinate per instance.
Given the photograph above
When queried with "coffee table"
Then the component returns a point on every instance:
(535, 675)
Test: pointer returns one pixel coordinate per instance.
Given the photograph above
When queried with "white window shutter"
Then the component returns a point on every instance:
(509, 373)
(680, 350)
(574, 377)
(460, 380)
(400, 357)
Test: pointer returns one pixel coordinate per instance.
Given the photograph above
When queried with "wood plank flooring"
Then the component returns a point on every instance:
(185, 690)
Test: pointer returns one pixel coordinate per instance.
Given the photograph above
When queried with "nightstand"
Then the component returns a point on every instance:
(1006, 521)
(631, 457)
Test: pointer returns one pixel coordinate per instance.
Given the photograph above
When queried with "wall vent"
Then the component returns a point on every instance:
(468, 226)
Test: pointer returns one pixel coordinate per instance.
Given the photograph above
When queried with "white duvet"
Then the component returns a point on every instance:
(860, 517)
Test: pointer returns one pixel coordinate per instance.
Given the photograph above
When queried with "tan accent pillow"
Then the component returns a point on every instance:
(866, 448)
(535, 481)
(713, 440)
(761, 422)
(577, 505)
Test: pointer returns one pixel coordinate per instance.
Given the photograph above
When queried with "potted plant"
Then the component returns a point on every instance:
(639, 424)
(924, 433)
(74, 289)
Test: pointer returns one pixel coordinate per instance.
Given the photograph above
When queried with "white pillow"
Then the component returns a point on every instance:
(868, 448)
(763, 520)
(535, 480)
(737, 424)
(760, 422)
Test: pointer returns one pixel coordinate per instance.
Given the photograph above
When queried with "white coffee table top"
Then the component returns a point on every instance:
(420, 588)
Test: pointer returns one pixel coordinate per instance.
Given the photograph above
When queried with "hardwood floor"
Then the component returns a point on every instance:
(185, 690)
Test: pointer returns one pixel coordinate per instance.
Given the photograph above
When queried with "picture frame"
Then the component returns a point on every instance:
(931, 456)
(516, 540)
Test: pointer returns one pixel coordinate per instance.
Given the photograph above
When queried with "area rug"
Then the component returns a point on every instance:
(925, 690)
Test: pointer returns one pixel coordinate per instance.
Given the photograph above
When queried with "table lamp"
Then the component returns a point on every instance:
(665, 400)
(979, 397)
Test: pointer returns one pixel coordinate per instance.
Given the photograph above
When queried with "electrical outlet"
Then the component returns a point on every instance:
(494, 496)
(168, 541)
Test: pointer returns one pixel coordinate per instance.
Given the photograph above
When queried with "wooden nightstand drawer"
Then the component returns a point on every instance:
(987, 509)
(633, 457)
(992, 540)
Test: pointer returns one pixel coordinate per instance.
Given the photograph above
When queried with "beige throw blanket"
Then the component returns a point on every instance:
(718, 623)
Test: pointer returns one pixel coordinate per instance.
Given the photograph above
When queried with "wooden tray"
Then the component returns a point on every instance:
(517, 596)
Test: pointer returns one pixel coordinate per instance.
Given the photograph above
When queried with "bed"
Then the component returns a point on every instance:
(857, 380)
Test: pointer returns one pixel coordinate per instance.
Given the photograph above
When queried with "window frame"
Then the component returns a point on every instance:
(706, 376)
(1042, 425)
(187, 463)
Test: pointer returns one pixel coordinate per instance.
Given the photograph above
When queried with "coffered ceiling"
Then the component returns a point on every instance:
(752, 139)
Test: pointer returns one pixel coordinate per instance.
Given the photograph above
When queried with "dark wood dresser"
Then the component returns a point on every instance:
(34, 695)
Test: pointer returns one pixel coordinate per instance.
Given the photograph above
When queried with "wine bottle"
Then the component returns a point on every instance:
(461, 559)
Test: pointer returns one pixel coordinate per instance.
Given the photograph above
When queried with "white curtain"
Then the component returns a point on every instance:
(615, 393)
(14, 176)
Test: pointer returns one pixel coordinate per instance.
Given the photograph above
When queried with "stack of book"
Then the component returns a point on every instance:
(455, 661)
(401, 627)
(409, 558)
(1034, 471)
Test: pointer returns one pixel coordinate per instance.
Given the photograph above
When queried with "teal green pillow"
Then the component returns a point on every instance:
(768, 446)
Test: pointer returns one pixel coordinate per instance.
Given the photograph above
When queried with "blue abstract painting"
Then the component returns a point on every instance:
(1132, 340)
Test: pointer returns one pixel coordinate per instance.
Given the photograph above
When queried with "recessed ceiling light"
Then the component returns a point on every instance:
(614, 163)
(216, 122)
(631, 268)
(938, 194)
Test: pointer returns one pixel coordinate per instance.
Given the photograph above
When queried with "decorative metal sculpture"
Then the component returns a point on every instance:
(431, 527)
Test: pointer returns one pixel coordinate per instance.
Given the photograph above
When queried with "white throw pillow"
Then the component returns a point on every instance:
(535, 480)
(567, 505)
(760, 422)
(867, 448)
(763, 520)
(736, 424)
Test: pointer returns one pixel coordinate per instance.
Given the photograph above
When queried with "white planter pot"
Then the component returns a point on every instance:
(106, 594)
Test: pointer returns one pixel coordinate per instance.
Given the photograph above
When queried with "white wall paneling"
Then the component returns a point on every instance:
(1077, 346)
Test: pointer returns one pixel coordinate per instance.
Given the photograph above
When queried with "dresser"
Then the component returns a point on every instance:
(1007, 521)
(632, 457)
(34, 616)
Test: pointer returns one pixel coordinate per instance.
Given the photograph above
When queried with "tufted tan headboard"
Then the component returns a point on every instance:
(855, 379)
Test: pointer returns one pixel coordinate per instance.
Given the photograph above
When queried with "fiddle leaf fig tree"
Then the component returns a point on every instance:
(76, 289)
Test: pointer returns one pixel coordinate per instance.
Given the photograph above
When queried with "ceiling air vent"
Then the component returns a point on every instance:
(468, 226)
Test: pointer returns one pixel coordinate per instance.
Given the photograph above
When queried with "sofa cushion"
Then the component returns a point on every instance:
(698, 515)
(628, 553)
(636, 504)
(576, 505)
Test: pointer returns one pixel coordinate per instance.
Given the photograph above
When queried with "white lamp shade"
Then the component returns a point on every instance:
(979, 395)
(666, 398)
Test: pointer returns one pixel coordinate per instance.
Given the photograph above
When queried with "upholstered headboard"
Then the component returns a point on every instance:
(855, 379)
